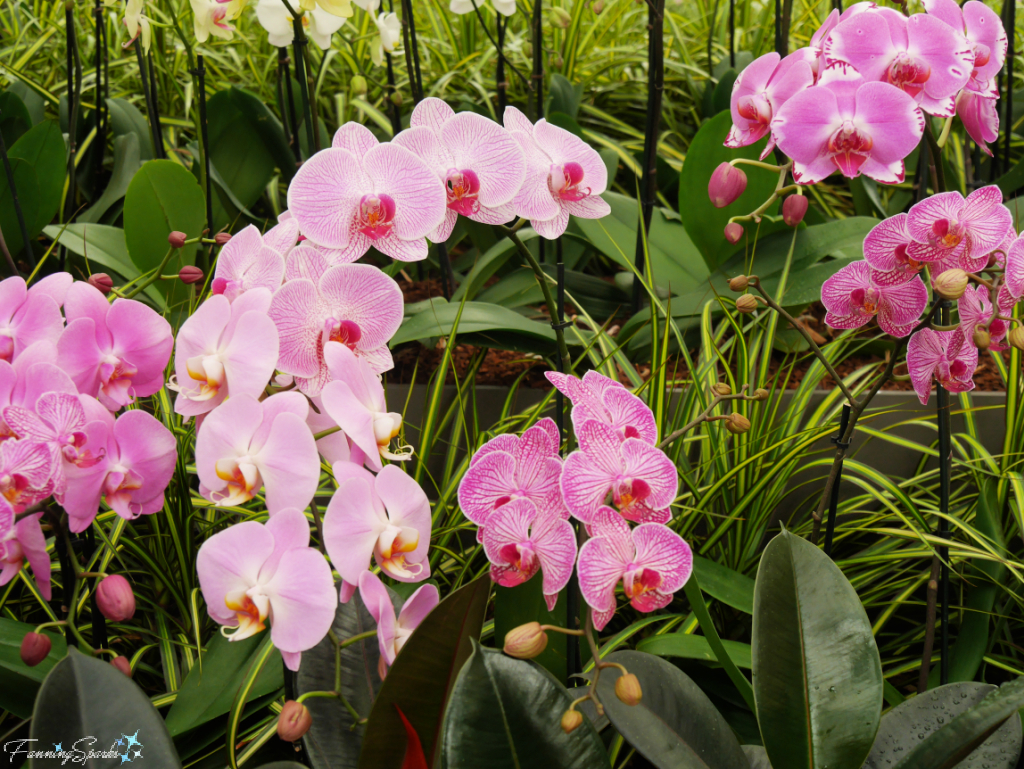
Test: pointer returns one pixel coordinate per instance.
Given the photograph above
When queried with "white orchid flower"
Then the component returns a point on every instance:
(319, 24)
(137, 24)
(389, 35)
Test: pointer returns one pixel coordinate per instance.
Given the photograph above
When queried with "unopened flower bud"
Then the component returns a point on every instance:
(396, 98)
(734, 232)
(739, 283)
(761, 394)
(101, 281)
(736, 423)
(222, 238)
(793, 209)
(122, 664)
(951, 284)
(115, 599)
(294, 721)
(721, 388)
(177, 239)
(528, 50)
(560, 17)
(557, 61)
(727, 183)
(746, 303)
(526, 641)
(34, 648)
(357, 85)
(597, 6)
(627, 689)
(190, 274)
(1016, 337)
(981, 338)
(571, 720)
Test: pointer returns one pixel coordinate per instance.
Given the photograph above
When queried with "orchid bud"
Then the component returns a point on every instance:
(739, 283)
(34, 648)
(761, 394)
(122, 664)
(557, 61)
(721, 388)
(793, 209)
(734, 232)
(951, 284)
(528, 49)
(190, 274)
(177, 239)
(222, 238)
(736, 423)
(560, 17)
(597, 6)
(357, 85)
(115, 599)
(746, 303)
(526, 641)
(396, 98)
(571, 721)
(727, 183)
(101, 281)
(627, 689)
(294, 721)
(1016, 337)
(981, 338)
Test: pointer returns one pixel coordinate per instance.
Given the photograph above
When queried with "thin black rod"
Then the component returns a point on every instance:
(99, 622)
(300, 74)
(833, 503)
(288, 109)
(148, 95)
(538, 59)
(945, 469)
(778, 27)
(100, 141)
(412, 53)
(18, 212)
(201, 77)
(155, 114)
(74, 64)
(711, 38)
(499, 71)
(732, 33)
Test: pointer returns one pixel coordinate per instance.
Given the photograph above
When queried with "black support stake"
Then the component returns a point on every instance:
(945, 468)
(833, 504)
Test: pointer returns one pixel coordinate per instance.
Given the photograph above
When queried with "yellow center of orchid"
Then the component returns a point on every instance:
(251, 611)
(242, 478)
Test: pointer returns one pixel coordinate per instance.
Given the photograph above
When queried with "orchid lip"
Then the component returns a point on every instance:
(850, 147)
(908, 74)
(462, 188)
(565, 182)
(376, 215)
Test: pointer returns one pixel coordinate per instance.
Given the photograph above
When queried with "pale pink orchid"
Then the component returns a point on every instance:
(980, 118)
(23, 541)
(651, 561)
(885, 249)
(355, 304)
(596, 396)
(114, 352)
(245, 445)
(26, 473)
(253, 573)
(950, 229)
(983, 29)
(335, 447)
(284, 235)
(1014, 264)
(250, 260)
(480, 165)
(392, 631)
(360, 193)
(849, 125)
(853, 297)
(386, 518)
(564, 175)
(29, 315)
(222, 350)
(136, 459)
(510, 467)
(641, 478)
(921, 55)
(943, 356)
(975, 309)
(758, 93)
(521, 540)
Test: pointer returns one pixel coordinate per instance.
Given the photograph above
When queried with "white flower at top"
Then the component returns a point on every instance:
(137, 24)
(504, 7)
(319, 24)
(210, 18)
(389, 35)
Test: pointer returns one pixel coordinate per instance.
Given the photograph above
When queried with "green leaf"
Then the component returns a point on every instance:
(563, 96)
(244, 162)
(500, 327)
(674, 726)
(723, 91)
(18, 682)
(562, 120)
(507, 712)
(209, 688)
(694, 647)
(126, 164)
(125, 118)
(14, 117)
(817, 674)
(421, 680)
(492, 260)
(728, 586)
(268, 128)
(515, 606)
(31, 99)
(84, 698)
(757, 757)
(42, 147)
(29, 197)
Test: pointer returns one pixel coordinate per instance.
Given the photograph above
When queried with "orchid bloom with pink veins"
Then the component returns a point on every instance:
(253, 573)
(596, 396)
(26, 473)
(761, 88)
(360, 193)
(114, 352)
(980, 117)
(392, 631)
(222, 350)
(245, 445)
(386, 518)
(249, 260)
(564, 175)
(1014, 264)
(23, 541)
(479, 163)
(947, 228)
(975, 309)
(31, 376)
(885, 249)
(136, 454)
(29, 315)
(984, 32)
(651, 561)
(944, 356)
(853, 297)
(284, 235)
(641, 478)
(521, 540)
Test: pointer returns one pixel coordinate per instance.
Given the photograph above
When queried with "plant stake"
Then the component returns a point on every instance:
(830, 526)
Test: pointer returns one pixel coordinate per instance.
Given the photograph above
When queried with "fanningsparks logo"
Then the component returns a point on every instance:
(127, 747)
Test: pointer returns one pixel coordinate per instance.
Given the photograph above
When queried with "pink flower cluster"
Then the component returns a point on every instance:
(520, 494)
(853, 100)
(63, 379)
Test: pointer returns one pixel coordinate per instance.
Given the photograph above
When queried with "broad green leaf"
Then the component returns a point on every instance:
(674, 726)
(125, 118)
(14, 117)
(515, 606)
(694, 647)
(519, 288)
(84, 698)
(269, 129)
(42, 147)
(728, 586)
(817, 674)
(244, 162)
(563, 96)
(30, 200)
(490, 324)
(506, 713)
(723, 91)
(126, 163)
(421, 680)
(31, 99)
(562, 120)
(18, 682)
(492, 260)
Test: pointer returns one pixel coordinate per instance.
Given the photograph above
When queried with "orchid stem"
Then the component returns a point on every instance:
(705, 416)
(756, 164)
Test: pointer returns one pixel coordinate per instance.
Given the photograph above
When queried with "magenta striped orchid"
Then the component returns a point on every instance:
(853, 296)
(941, 356)
(596, 396)
(23, 540)
(948, 226)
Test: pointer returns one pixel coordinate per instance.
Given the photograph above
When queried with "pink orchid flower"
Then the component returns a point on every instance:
(360, 193)
(386, 518)
(249, 261)
(26, 473)
(114, 352)
(284, 235)
(814, 52)
(354, 304)
(944, 356)
(31, 376)
(885, 249)
(335, 447)
(1014, 264)
(853, 297)
(354, 399)
(980, 118)
(564, 175)
(479, 163)
(651, 561)
(922, 56)
(29, 315)
(975, 309)
(510, 467)
(983, 29)
(252, 573)
(392, 631)
(641, 478)
(20, 542)
(136, 454)
(948, 228)
(224, 349)
(521, 540)
(596, 396)
(245, 444)
(849, 125)
(761, 88)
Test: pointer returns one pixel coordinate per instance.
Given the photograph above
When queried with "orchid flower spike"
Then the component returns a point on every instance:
(944, 356)
(318, 23)
(651, 561)
(853, 296)
(23, 541)
(252, 573)
(596, 396)
(951, 229)
(250, 261)
(29, 315)
(392, 631)
(758, 93)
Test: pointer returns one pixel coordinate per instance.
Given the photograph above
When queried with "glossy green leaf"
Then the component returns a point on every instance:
(757, 756)
(563, 96)
(495, 325)
(506, 713)
(126, 118)
(126, 164)
(674, 726)
(29, 198)
(18, 682)
(722, 583)
(421, 680)
(14, 117)
(42, 147)
(723, 91)
(492, 260)
(817, 674)
(695, 647)
(515, 606)
(244, 162)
